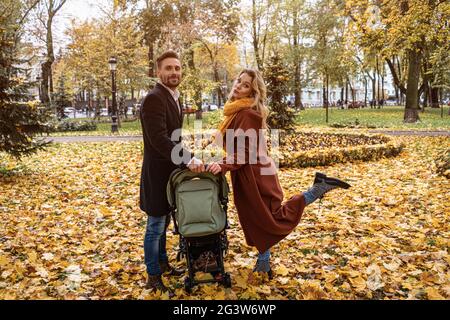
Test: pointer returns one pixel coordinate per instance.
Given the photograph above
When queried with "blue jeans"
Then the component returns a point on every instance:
(265, 256)
(155, 244)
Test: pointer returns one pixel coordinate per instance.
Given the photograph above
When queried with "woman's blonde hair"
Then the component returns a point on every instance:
(259, 93)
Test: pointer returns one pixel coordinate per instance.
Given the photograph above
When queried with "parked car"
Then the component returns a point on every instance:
(209, 107)
(390, 102)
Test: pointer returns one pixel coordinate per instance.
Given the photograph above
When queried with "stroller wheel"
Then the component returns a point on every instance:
(227, 280)
(188, 284)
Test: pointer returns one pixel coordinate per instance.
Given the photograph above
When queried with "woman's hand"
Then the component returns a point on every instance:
(196, 165)
(214, 168)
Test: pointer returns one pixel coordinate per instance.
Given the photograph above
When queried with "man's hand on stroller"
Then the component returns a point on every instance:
(196, 165)
(214, 168)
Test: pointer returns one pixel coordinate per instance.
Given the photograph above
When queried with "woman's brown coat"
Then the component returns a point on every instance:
(258, 197)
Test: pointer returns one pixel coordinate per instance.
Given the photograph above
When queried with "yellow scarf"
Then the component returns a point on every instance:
(231, 109)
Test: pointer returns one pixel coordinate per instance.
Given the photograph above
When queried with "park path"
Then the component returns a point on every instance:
(430, 133)
(69, 139)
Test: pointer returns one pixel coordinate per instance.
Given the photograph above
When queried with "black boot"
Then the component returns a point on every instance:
(169, 270)
(155, 283)
(323, 184)
(320, 178)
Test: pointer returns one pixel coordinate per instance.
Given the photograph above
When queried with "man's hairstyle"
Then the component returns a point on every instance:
(165, 55)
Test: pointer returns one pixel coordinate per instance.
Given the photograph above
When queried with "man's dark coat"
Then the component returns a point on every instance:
(160, 117)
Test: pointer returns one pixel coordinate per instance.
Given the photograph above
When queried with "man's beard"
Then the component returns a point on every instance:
(170, 82)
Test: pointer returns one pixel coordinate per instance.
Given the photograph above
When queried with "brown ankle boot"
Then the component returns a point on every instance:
(171, 271)
(206, 262)
(155, 283)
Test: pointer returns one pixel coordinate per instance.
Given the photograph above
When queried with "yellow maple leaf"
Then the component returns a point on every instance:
(265, 289)
(32, 257)
(106, 212)
(282, 270)
(358, 283)
(393, 266)
(241, 282)
(433, 294)
(407, 285)
(3, 261)
(220, 295)
(115, 266)
(446, 289)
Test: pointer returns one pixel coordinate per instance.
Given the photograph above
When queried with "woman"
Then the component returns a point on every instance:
(258, 195)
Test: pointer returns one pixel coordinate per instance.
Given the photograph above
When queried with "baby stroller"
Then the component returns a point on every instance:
(198, 204)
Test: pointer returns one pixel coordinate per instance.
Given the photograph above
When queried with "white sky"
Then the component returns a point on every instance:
(80, 10)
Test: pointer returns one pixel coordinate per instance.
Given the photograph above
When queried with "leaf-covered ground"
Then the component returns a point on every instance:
(71, 229)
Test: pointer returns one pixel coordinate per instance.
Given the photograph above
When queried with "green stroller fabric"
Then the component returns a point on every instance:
(196, 201)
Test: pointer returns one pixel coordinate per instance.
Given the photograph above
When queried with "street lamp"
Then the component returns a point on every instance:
(112, 66)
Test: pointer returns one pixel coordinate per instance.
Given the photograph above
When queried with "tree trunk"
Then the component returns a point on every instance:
(346, 93)
(374, 92)
(378, 83)
(382, 83)
(426, 96)
(411, 109)
(434, 97)
(397, 96)
(255, 37)
(151, 63)
(352, 92)
(297, 88)
(46, 67)
(89, 105)
(365, 92)
(220, 96)
(396, 74)
(325, 98)
(198, 93)
(297, 63)
(97, 107)
(352, 95)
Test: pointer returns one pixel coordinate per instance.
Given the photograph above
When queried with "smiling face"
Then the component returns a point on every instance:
(242, 87)
(170, 72)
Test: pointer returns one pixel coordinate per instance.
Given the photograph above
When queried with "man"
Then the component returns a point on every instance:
(161, 115)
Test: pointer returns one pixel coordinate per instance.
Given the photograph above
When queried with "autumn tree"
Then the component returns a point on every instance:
(46, 12)
(154, 20)
(413, 28)
(20, 117)
(61, 98)
(277, 78)
(292, 15)
(262, 16)
(227, 61)
(91, 45)
(218, 28)
(330, 59)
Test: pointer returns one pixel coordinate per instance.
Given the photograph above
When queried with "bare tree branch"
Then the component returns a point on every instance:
(31, 7)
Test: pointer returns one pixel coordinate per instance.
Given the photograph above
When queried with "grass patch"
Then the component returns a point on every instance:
(387, 117)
